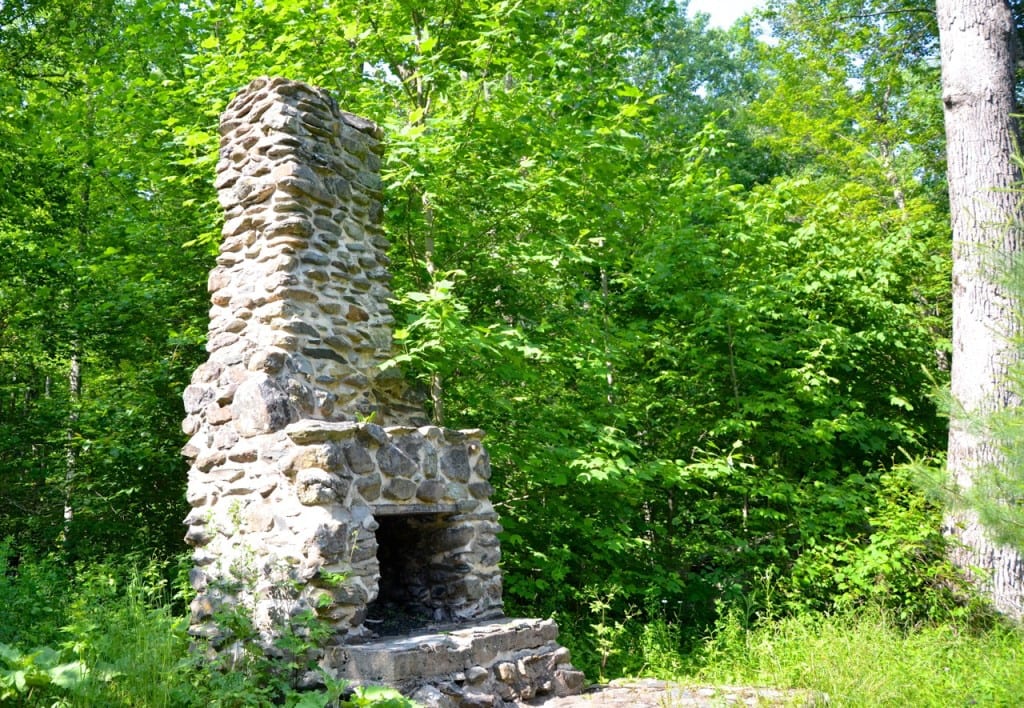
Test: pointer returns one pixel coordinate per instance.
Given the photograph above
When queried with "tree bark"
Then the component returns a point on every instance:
(979, 49)
(71, 454)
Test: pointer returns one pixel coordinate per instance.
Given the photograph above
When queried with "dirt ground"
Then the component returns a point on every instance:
(651, 693)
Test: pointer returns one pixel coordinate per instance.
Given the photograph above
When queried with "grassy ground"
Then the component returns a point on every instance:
(864, 659)
(116, 639)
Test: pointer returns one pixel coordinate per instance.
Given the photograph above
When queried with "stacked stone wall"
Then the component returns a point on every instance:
(287, 477)
(301, 282)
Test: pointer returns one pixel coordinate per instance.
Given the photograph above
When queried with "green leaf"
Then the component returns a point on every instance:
(68, 675)
(311, 699)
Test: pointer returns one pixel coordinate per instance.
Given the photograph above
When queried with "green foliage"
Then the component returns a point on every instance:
(32, 596)
(239, 670)
(692, 285)
(897, 563)
(116, 638)
(868, 659)
(108, 627)
(379, 696)
(91, 272)
(33, 675)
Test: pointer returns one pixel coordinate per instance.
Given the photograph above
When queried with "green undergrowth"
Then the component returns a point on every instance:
(866, 659)
(106, 635)
(858, 658)
(115, 635)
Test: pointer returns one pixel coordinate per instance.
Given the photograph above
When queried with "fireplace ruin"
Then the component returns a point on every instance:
(316, 482)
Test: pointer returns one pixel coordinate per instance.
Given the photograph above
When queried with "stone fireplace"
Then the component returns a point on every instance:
(317, 484)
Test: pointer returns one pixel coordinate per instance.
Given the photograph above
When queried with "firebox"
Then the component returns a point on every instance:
(421, 574)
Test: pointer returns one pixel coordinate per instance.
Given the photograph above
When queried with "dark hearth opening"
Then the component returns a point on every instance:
(419, 576)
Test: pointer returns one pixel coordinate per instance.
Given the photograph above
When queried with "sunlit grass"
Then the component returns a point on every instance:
(867, 660)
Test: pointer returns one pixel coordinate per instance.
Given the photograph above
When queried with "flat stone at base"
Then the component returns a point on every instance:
(431, 697)
(653, 693)
(445, 660)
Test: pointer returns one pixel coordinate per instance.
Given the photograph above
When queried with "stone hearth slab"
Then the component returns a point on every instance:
(510, 659)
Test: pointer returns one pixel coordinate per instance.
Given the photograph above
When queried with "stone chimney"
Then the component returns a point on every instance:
(316, 483)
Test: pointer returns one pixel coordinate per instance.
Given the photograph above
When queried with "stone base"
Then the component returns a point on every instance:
(492, 664)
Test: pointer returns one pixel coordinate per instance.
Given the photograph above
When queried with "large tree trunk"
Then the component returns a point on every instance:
(979, 46)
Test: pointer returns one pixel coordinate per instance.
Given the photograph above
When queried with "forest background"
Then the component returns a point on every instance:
(694, 284)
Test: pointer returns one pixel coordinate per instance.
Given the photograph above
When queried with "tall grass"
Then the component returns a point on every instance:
(114, 620)
(866, 659)
(134, 641)
(110, 634)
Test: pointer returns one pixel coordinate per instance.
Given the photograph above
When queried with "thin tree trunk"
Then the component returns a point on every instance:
(609, 366)
(978, 44)
(71, 457)
(436, 381)
(437, 398)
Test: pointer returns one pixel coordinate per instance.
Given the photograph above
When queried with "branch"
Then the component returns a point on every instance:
(882, 13)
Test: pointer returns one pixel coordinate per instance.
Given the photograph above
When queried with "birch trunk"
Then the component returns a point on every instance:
(71, 454)
(978, 46)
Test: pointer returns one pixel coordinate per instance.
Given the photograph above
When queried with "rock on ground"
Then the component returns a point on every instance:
(651, 693)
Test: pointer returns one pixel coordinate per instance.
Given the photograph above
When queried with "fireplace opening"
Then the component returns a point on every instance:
(419, 574)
